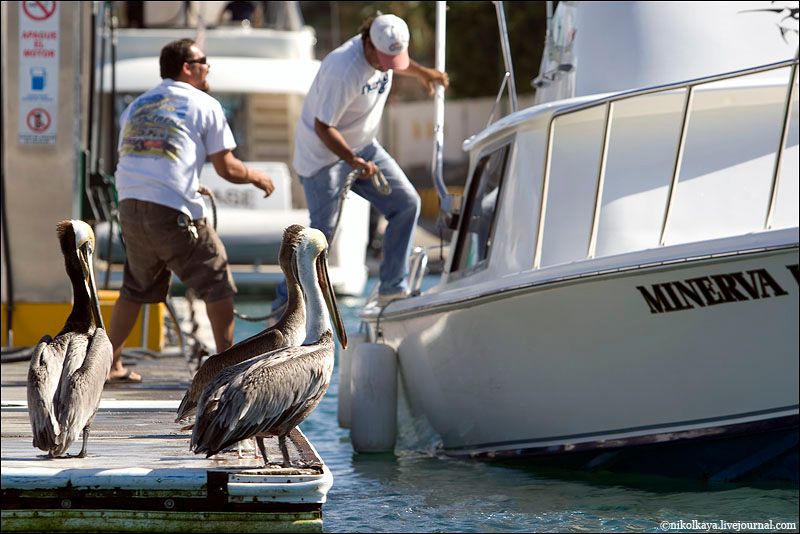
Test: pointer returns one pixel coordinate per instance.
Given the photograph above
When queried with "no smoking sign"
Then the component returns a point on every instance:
(38, 10)
(38, 120)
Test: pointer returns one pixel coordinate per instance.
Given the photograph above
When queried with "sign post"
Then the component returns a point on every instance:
(38, 72)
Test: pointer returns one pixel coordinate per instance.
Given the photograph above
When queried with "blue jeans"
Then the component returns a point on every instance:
(400, 207)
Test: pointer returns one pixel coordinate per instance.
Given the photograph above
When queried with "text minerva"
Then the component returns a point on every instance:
(713, 289)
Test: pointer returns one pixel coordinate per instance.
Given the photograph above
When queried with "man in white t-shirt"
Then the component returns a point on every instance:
(336, 134)
(165, 136)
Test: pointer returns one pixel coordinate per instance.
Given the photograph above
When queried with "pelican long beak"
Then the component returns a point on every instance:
(330, 299)
(85, 257)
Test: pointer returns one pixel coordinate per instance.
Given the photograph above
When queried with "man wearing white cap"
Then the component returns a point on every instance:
(336, 134)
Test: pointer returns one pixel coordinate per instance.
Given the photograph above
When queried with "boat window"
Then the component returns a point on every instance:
(475, 235)
(234, 109)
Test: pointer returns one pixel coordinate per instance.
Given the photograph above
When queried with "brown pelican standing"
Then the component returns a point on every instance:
(67, 374)
(287, 332)
(271, 394)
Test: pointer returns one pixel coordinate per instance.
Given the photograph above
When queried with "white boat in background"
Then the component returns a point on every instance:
(251, 227)
(260, 75)
(622, 283)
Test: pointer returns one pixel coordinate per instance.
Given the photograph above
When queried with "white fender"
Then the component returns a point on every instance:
(344, 396)
(373, 385)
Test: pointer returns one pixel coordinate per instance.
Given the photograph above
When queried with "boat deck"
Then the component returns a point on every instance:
(139, 475)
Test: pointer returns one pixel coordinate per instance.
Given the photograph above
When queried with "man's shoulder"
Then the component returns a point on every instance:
(196, 95)
(345, 54)
(343, 64)
(184, 90)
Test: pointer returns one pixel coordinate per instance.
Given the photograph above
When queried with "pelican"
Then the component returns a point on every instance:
(271, 394)
(67, 373)
(287, 332)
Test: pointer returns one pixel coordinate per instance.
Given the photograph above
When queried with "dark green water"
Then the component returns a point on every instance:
(422, 493)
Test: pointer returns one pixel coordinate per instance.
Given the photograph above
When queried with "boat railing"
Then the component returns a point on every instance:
(608, 104)
(418, 264)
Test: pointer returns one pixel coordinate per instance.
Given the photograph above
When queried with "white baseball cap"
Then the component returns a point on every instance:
(390, 36)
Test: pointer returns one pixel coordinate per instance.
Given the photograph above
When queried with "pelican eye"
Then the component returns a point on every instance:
(83, 232)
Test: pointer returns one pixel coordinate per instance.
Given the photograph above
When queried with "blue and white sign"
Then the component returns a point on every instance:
(38, 72)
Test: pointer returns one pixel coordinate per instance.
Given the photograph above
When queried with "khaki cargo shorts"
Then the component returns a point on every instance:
(158, 242)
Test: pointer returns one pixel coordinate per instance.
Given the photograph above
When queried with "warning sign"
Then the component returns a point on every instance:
(38, 120)
(39, 10)
(39, 40)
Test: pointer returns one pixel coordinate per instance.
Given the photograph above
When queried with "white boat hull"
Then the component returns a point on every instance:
(587, 362)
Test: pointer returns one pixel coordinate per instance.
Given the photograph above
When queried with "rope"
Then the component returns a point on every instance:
(378, 180)
(198, 349)
(214, 219)
(259, 318)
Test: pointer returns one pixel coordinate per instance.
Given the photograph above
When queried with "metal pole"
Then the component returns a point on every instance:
(673, 184)
(437, 165)
(601, 177)
(145, 324)
(87, 153)
(114, 125)
(787, 109)
(449, 205)
(98, 117)
(501, 22)
(548, 156)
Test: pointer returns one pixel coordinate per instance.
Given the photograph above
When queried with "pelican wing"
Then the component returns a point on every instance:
(255, 346)
(261, 396)
(88, 363)
(43, 376)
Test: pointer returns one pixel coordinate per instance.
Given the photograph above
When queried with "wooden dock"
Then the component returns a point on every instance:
(139, 475)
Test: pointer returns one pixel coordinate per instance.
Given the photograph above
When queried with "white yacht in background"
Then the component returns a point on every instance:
(622, 283)
(260, 75)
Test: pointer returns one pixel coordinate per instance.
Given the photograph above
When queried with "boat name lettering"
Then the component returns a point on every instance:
(713, 289)
(235, 198)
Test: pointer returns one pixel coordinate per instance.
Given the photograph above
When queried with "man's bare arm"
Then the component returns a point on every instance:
(235, 171)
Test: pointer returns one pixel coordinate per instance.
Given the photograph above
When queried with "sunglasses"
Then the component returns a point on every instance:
(201, 60)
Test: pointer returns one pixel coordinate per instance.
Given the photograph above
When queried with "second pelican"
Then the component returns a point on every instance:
(271, 394)
(287, 332)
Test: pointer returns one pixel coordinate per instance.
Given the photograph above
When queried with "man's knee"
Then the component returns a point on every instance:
(413, 204)
(417, 202)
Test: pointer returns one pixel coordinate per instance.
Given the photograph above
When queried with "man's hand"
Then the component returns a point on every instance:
(261, 180)
(427, 77)
(367, 168)
(431, 77)
(203, 190)
(230, 168)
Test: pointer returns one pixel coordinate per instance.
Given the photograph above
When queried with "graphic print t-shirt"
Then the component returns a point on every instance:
(165, 135)
(348, 94)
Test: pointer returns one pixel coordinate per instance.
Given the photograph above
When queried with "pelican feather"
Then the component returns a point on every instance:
(270, 394)
(287, 332)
